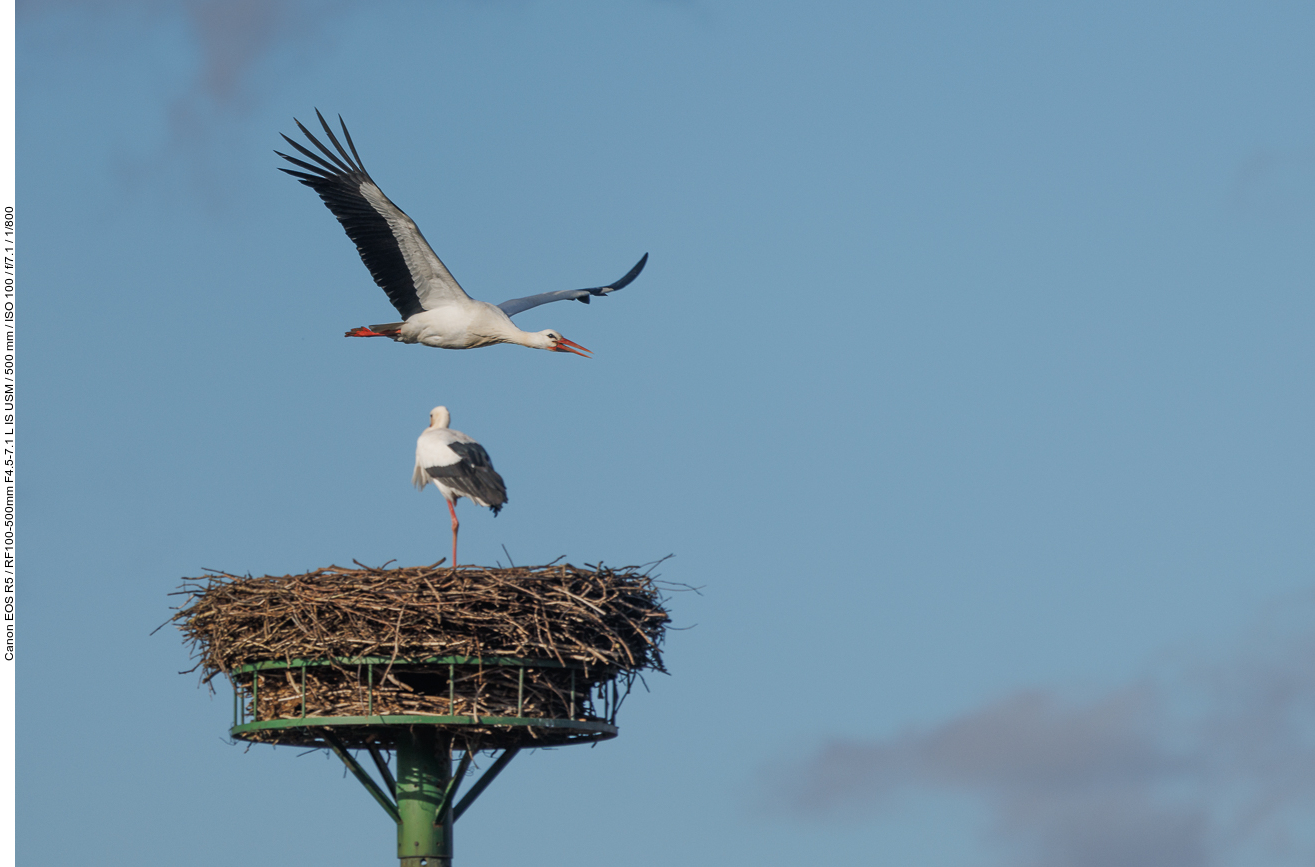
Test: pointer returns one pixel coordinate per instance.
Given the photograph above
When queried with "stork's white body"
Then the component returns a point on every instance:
(468, 325)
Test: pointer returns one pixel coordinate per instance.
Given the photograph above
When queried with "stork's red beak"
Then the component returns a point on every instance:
(564, 345)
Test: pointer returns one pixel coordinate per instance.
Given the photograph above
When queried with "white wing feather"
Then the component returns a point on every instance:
(435, 285)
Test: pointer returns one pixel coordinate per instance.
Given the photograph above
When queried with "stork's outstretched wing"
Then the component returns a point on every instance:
(391, 246)
(518, 305)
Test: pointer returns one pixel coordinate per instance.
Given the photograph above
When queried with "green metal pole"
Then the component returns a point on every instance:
(424, 766)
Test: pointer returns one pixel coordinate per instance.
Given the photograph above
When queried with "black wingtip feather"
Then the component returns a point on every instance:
(329, 169)
(308, 180)
(329, 132)
(296, 162)
(626, 280)
(350, 144)
(319, 144)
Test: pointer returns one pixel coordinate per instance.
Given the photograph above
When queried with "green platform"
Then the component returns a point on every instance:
(423, 797)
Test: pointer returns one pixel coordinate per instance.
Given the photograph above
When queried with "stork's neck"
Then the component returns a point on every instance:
(532, 339)
(497, 327)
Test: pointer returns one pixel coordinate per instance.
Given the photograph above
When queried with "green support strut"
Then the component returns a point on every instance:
(424, 768)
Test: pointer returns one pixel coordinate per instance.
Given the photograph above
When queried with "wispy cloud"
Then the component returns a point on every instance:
(1215, 766)
(235, 35)
(233, 42)
(232, 37)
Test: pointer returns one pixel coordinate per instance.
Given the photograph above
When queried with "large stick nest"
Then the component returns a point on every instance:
(600, 623)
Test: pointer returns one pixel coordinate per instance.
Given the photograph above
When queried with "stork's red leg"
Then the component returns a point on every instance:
(456, 525)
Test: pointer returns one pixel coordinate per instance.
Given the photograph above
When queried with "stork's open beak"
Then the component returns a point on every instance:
(564, 345)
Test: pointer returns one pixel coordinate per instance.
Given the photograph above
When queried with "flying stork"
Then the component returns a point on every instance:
(435, 310)
(459, 467)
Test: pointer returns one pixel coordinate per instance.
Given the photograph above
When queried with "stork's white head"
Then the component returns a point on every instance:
(439, 417)
(554, 342)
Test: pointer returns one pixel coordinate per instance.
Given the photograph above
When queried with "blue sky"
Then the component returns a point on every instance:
(968, 379)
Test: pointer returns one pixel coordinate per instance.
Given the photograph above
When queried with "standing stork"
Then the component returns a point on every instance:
(435, 310)
(459, 467)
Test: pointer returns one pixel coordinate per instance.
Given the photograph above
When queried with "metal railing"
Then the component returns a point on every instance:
(583, 695)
